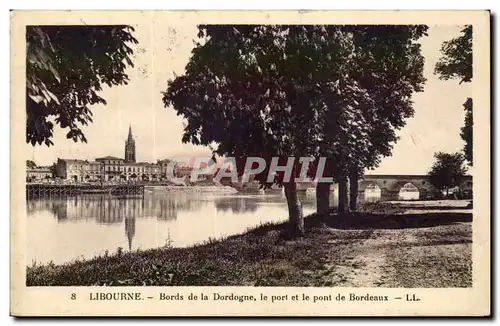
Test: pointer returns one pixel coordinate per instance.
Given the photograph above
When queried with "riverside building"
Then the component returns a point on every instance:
(109, 168)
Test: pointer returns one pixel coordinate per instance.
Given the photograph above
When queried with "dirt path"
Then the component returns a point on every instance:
(365, 267)
(371, 263)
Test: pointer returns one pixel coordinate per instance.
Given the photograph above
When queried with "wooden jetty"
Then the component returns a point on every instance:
(34, 190)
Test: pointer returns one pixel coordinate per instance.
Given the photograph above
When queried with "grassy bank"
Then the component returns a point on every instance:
(368, 249)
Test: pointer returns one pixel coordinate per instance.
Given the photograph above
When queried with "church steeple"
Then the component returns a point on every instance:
(130, 146)
(130, 138)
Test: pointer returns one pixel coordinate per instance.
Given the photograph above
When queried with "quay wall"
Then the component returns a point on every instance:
(39, 190)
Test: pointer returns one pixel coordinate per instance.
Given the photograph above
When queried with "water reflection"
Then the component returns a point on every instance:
(130, 230)
(243, 204)
(63, 229)
(107, 209)
(235, 205)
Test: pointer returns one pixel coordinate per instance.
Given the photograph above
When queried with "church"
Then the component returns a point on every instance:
(110, 168)
(130, 147)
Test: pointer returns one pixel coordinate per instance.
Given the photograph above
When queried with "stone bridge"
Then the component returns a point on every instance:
(395, 186)
(398, 185)
(377, 186)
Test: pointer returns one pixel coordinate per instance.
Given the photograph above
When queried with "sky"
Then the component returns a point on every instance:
(163, 52)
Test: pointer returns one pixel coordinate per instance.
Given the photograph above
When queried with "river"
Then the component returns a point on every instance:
(64, 229)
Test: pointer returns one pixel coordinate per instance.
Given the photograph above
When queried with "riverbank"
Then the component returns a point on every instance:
(204, 189)
(383, 247)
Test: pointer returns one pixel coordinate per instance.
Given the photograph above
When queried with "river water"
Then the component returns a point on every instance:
(64, 229)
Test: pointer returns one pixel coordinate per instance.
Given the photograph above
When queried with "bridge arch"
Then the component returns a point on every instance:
(371, 190)
(406, 190)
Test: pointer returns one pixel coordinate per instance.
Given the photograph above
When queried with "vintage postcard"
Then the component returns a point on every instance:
(250, 163)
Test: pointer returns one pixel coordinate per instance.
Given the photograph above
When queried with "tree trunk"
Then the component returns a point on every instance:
(323, 199)
(296, 219)
(343, 196)
(353, 191)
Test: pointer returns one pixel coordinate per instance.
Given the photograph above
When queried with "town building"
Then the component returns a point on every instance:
(38, 173)
(109, 168)
(78, 170)
(163, 164)
(178, 170)
(117, 169)
(183, 171)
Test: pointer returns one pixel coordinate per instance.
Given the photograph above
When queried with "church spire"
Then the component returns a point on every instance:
(130, 146)
(130, 137)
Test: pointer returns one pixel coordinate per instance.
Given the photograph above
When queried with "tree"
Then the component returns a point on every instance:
(389, 67)
(466, 131)
(30, 164)
(383, 70)
(288, 91)
(456, 63)
(66, 67)
(256, 96)
(447, 171)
